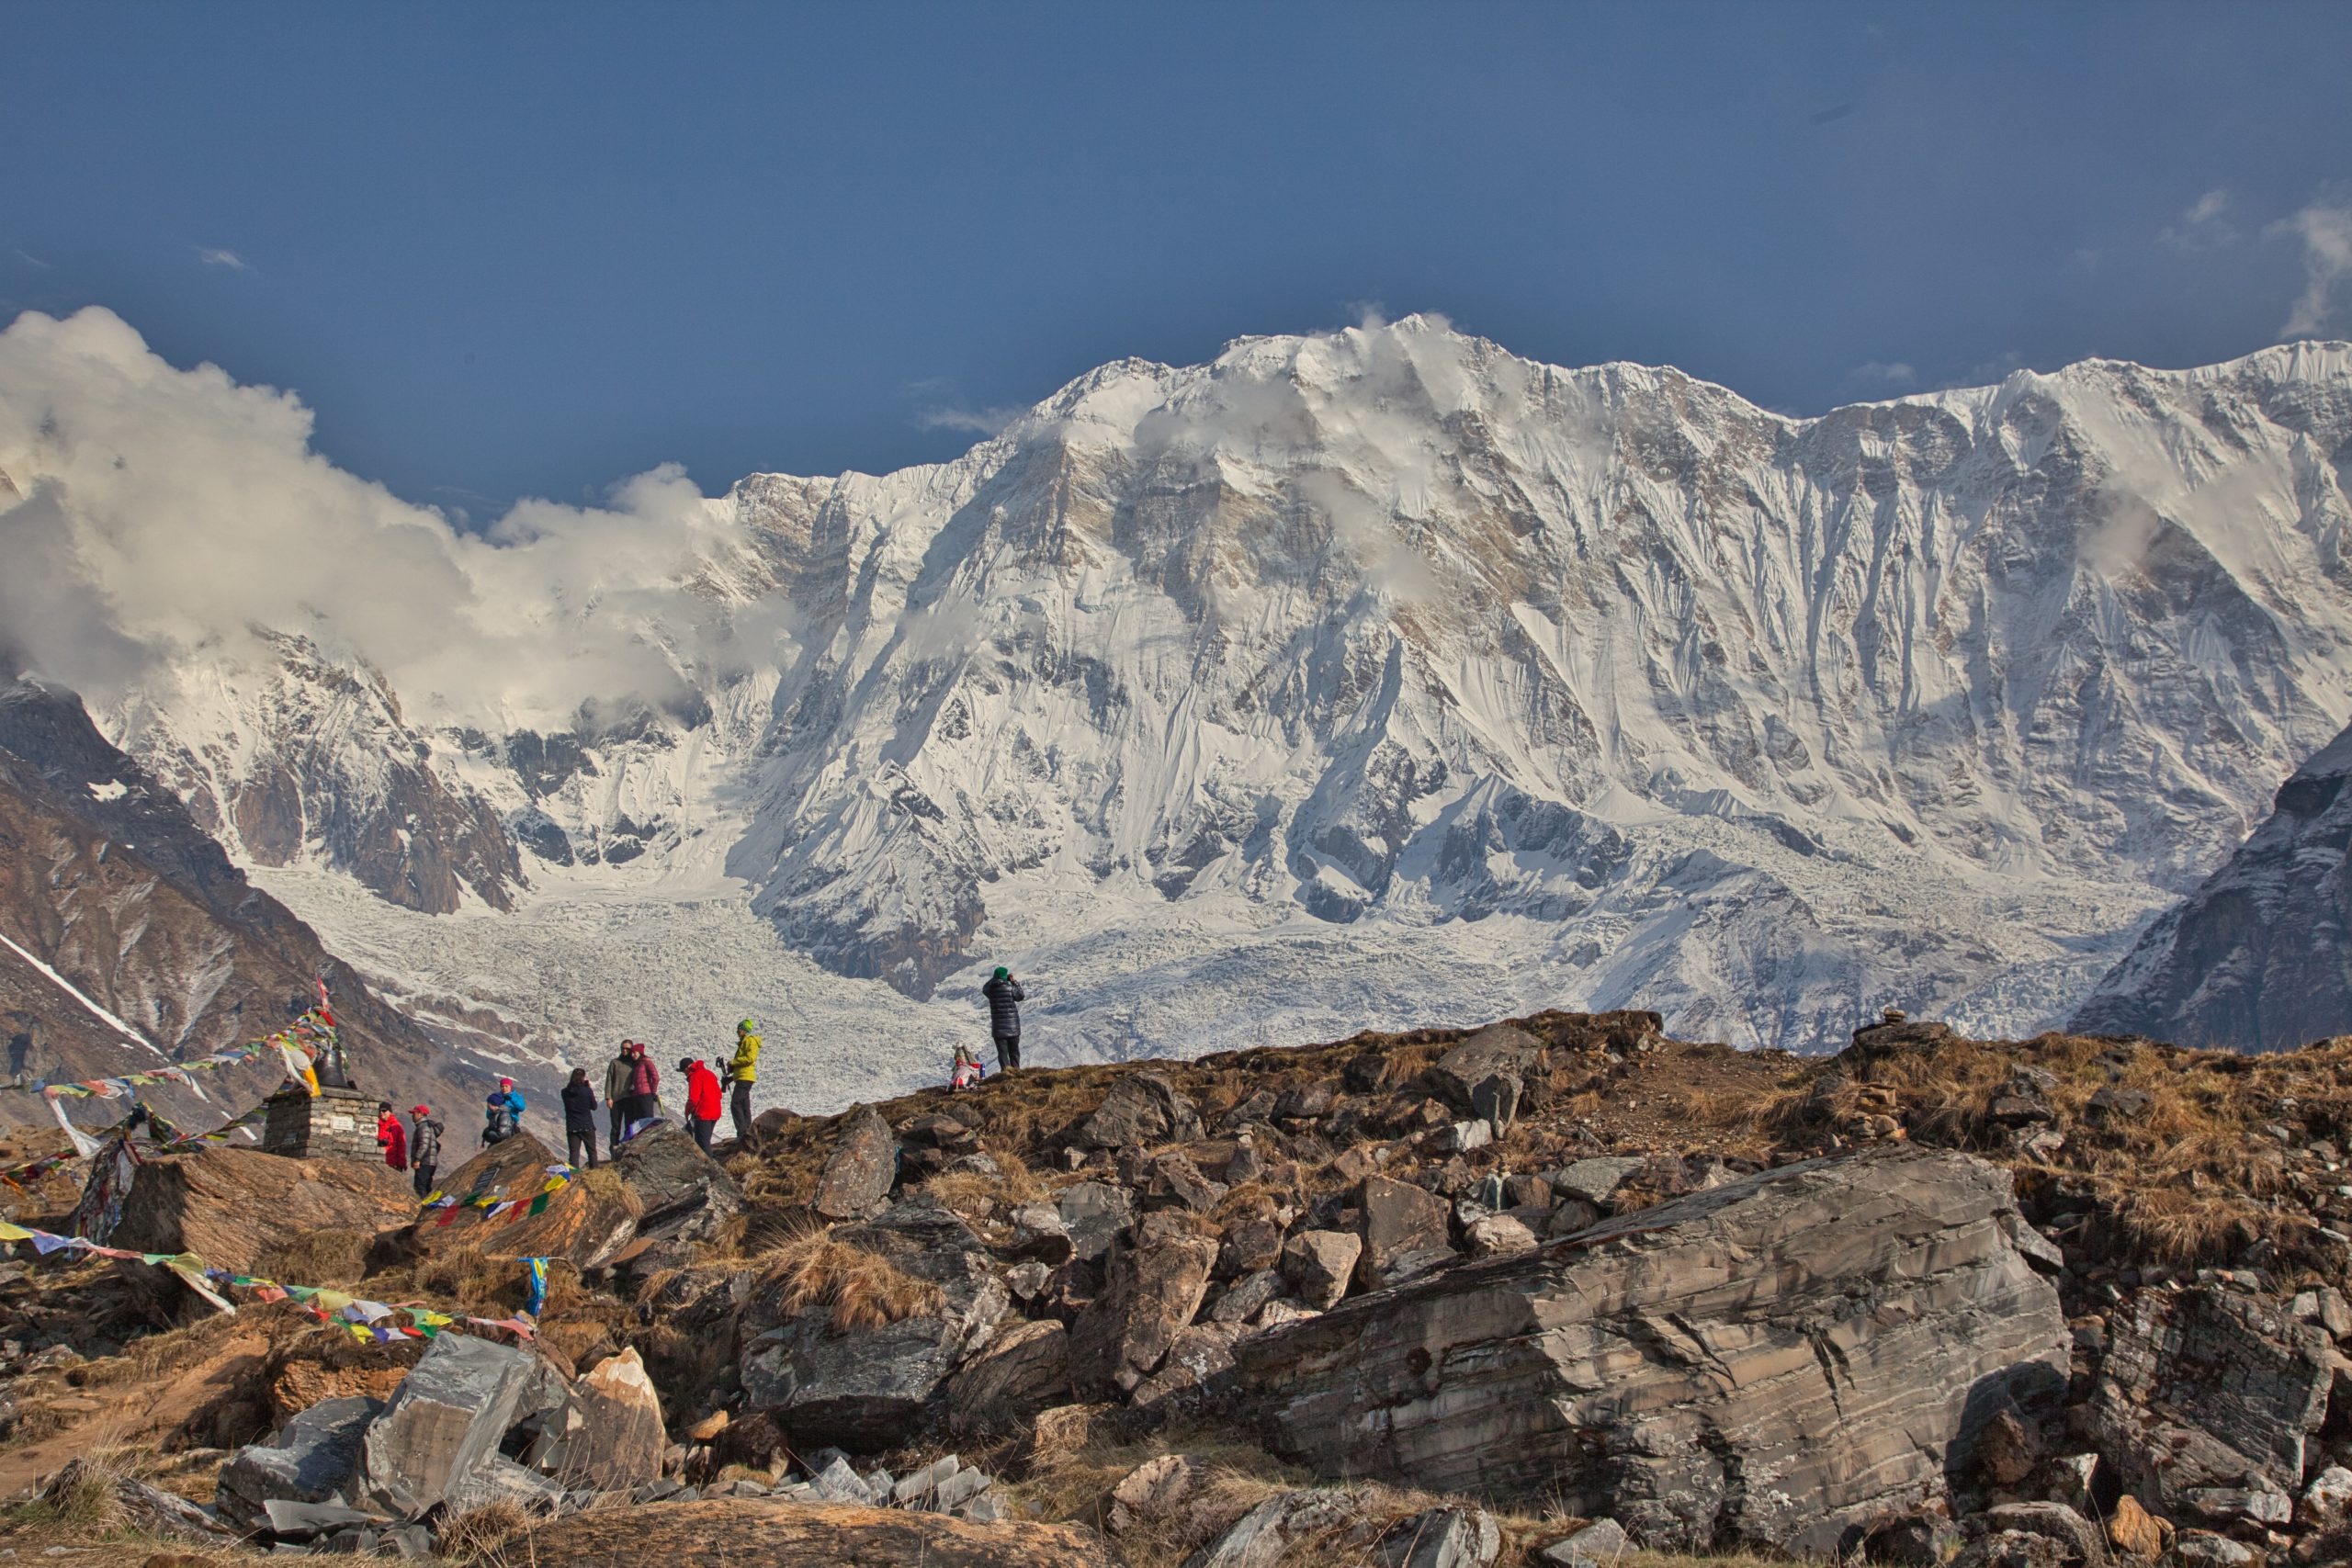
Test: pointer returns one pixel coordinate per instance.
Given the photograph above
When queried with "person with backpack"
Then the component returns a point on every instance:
(423, 1147)
(740, 1072)
(644, 1103)
(702, 1099)
(391, 1136)
(502, 1114)
(579, 1119)
(617, 1072)
(1004, 995)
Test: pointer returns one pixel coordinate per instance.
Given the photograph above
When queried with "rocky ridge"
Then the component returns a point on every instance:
(1524, 1295)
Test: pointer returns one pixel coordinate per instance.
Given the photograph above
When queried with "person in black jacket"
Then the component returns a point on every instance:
(579, 1118)
(423, 1147)
(1004, 995)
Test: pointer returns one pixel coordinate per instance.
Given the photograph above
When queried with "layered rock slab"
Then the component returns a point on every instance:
(1772, 1362)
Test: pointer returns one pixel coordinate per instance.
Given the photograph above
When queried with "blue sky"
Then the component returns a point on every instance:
(531, 250)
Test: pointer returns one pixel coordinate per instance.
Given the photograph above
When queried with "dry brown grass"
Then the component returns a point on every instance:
(496, 1535)
(860, 1289)
(325, 1256)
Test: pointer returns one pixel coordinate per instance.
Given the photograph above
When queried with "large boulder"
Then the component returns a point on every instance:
(1406, 1230)
(310, 1460)
(1141, 1110)
(683, 1194)
(2205, 1392)
(236, 1207)
(609, 1435)
(446, 1426)
(861, 1171)
(1482, 1077)
(1151, 1292)
(1023, 1369)
(867, 1377)
(730, 1533)
(587, 1220)
(1772, 1362)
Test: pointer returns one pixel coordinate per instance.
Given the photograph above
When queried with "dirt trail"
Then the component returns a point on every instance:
(136, 1413)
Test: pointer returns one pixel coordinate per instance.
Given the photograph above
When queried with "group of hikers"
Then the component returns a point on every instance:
(633, 1088)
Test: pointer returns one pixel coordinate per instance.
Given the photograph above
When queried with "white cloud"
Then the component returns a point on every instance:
(158, 510)
(2202, 226)
(212, 256)
(980, 422)
(2324, 227)
(1887, 373)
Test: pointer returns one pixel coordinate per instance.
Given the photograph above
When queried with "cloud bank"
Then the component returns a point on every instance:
(148, 510)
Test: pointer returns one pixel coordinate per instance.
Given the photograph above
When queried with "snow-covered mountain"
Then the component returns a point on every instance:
(2259, 958)
(1364, 677)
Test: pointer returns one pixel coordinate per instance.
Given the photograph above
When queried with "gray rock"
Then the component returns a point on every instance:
(837, 1483)
(1153, 1292)
(687, 1196)
(1405, 1230)
(1597, 1545)
(1442, 1537)
(1095, 1213)
(2197, 1549)
(2205, 1389)
(959, 1489)
(1025, 1369)
(1481, 1078)
(498, 1479)
(916, 1485)
(1040, 1234)
(1706, 1371)
(446, 1420)
(1593, 1180)
(292, 1520)
(988, 1508)
(1141, 1109)
(1318, 1265)
(310, 1460)
(1265, 1535)
(861, 1171)
(866, 1389)
(2085, 1542)
(1246, 1295)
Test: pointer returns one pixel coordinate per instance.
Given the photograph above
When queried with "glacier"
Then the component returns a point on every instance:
(1364, 678)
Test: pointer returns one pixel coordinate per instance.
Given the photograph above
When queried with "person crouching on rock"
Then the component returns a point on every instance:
(502, 1114)
(423, 1147)
(579, 1119)
(644, 1103)
(391, 1136)
(702, 1099)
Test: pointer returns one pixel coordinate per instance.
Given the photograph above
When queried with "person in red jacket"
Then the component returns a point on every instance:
(392, 1136)
(703, 1103)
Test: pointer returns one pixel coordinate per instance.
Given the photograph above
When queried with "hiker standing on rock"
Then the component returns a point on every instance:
(702, 1099)
(616, 1075)
(740, 1072)
(644, 1103)
(1004, 995)
(579, 1119)
(423, 1147)
(391, 1136)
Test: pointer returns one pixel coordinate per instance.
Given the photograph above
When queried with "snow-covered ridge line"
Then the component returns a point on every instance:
(1348, 680)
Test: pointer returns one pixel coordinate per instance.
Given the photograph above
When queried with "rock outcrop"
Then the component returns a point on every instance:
(586, 1222)
(683, 1194)
(236, 1207)
(1770, 1361)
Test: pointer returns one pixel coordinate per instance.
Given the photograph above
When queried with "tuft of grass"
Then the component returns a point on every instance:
(495, 1535)
(331, 1256)
(860, 1289)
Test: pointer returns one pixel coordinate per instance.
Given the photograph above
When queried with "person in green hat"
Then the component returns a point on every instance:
(1004, 995)
(741, 1071)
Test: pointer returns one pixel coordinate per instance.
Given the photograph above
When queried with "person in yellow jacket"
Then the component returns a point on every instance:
(740, 1072)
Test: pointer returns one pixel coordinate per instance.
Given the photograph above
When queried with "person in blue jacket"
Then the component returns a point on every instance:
(502, 1114)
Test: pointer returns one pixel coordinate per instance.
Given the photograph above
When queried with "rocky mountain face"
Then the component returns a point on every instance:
(2259, 957)
(132, 940)
(1389, 659)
